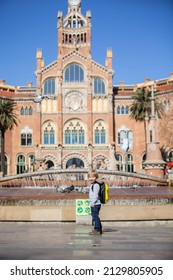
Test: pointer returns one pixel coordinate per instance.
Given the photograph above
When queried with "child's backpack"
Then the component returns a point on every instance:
(104, 193)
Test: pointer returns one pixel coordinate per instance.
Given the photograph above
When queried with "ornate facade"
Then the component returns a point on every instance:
(75, 117)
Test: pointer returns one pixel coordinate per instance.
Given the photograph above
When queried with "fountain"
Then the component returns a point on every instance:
(54, 178)
(46, 196)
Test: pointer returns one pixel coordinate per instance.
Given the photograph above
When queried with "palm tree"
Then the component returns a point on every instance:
(140, 109)
(8, 119)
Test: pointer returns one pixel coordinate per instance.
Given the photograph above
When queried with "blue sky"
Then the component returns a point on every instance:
(138, 31)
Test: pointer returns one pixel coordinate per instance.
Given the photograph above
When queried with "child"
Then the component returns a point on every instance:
(95, 203)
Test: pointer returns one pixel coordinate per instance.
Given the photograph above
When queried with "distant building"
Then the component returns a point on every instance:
(75, 117)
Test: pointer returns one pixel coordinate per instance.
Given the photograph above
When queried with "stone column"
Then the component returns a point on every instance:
(59, 158)
(154, 164)
(90, 156)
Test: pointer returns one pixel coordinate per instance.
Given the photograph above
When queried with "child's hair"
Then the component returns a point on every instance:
(93, 173)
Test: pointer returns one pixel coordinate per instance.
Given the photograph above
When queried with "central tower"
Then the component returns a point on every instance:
(74, 30)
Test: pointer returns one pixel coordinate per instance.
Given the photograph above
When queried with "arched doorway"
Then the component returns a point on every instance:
(74, 163)
(50, 164)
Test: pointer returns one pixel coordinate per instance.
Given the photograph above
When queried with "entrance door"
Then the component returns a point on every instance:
(75, 163)
(50, 164)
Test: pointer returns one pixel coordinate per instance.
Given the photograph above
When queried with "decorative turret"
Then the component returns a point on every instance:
(109, 59)
(40, 65)
(39, 59)
(108, 63)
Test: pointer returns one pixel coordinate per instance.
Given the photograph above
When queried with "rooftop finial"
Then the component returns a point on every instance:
(39, 53)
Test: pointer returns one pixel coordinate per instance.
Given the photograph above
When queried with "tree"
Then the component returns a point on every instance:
(8, 119)
(141, 107)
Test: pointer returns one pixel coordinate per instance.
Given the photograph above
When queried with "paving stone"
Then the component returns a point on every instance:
(39, 241)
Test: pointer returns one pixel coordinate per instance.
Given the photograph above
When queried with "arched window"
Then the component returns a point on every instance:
(20, 164)
(49, 87)
(99, 86)
(49, 135)
(30, 111)
(26, 111)
(118, 110)
(26, 139)
(100, 135)
(74, 73)
(46, 136)
(81, 136)
(119, 159)
(122, 110)
(74, 136)
(127, 110)
(74, 133)
(97, 136)
(130, 163)
(67, 136)
(22, 111)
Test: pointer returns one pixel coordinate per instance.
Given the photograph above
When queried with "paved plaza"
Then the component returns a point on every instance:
(69, 241)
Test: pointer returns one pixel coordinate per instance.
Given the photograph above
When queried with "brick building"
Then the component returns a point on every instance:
(75, 117)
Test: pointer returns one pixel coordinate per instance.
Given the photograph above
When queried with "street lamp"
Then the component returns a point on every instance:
(39, 98)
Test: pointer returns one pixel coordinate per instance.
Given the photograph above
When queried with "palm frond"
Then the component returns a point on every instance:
(8, 117)
(141, 105)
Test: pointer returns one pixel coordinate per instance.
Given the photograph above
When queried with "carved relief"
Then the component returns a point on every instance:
(74, 101)
(100, 162)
